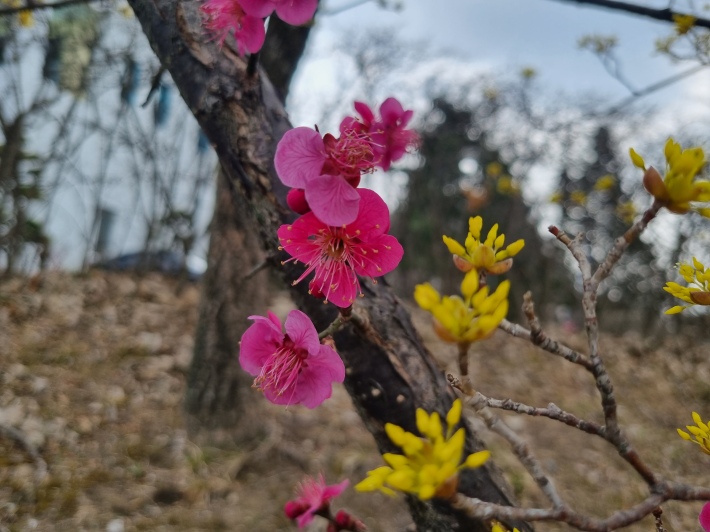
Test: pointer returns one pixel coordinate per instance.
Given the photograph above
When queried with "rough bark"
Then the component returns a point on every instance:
(389, 372)
(218, 391)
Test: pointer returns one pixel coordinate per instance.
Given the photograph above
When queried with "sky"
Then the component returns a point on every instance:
(508, 35)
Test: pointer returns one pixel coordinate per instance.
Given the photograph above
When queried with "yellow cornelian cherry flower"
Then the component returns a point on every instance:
(626, 210)
(494, 169)
(498, 527)
(488, 255)
(683, 23)
(605, 182)
(701, 432)
(465, 320)
(697, 293)
(430, 464)
(506, 185)
(679, 187)
(557, 197)
(579, 197)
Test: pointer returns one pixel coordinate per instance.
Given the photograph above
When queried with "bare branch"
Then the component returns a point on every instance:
(665, 15)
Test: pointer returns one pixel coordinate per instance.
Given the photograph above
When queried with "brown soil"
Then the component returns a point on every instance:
(92, 372)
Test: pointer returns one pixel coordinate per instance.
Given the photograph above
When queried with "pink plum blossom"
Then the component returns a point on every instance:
(313, 497)
(327, 169)
(295, 12)
(339, 254)
(704, 517)
(291, 368)
(225, 17)
(388, 133)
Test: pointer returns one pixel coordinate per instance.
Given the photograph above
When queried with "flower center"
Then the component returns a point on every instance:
(352, 153)
(281, 370)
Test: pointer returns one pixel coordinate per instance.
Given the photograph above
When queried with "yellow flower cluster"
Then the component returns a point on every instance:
(683, 23)
(488, 255)
(430, 464)
(25, 17)
(699, 294)
(701, 432)
(679, 188)
(471, 318)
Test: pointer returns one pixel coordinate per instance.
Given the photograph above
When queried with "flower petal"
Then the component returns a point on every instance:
(299, 157)
(258, 8)
(261, 340)
(302, 332)
(296, 12)
(332, 200)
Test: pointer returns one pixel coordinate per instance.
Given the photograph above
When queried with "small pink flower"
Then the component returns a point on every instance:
(295, 12)
(313, 496)
(704, 517)
(339, 254)
(327, 169)
(227, 16)
(389, 137)
(292, 368)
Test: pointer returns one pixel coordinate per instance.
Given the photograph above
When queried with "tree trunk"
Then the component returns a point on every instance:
(218, 391)
(389, 373)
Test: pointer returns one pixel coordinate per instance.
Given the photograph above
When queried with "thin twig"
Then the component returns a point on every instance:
(546, 343)
(519, 446)
(657, 514)
(463, 358)
(663, 14)
(333, 327)
(623, 242)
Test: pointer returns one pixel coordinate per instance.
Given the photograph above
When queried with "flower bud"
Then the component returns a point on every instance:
(296, 200)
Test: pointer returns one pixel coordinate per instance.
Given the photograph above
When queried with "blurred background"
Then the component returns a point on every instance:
(526, 110)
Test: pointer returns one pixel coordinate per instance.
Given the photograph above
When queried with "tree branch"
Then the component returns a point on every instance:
(664, 15)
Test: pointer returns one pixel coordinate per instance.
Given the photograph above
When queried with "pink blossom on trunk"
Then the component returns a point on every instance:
(313, 497)
(388, 133)
(704, 517)
(295, 12)
(327, 168)
(291, 368)
(225, 17)
(338, 255)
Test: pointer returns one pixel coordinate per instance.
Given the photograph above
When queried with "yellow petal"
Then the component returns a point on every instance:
(453, 246)
(637, 159)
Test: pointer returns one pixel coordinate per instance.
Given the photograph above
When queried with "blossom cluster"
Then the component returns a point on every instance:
(679, 190)
(475, 314)
(340, 236)
(698, 290)
(342, 232)
(430, 464)
(244, 19)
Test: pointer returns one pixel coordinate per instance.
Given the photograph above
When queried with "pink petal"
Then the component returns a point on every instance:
(258, 8)
(383, 255)
(365, 112)
(302, 332)
(331, 492)
(373, 217)
(340, 286)
(316, 380)
(704, 517)
(261, 340)
(299, 157)
(296, 12)
(251, 36)
(332, 200)
(390, 111)
(295, 238)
